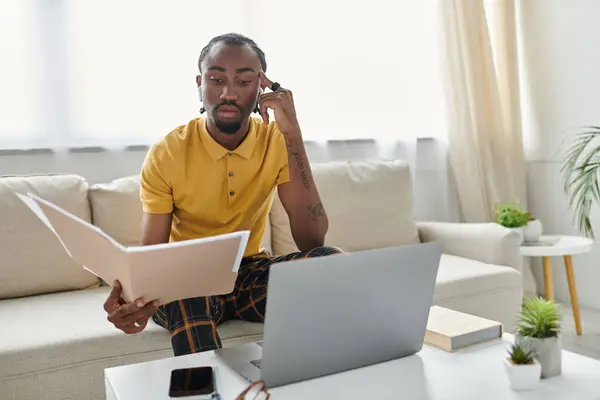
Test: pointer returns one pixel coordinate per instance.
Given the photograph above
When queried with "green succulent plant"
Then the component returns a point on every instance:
(511, 215)
(520, 354)
(539, 318)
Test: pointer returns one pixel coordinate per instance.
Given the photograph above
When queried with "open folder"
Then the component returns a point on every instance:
(166, 272)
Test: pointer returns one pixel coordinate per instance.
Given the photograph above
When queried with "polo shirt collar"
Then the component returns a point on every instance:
(216, 151)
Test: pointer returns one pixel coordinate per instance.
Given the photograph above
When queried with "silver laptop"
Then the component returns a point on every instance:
(332, 314)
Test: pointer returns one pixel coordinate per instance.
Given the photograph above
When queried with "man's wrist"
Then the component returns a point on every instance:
(292, 133)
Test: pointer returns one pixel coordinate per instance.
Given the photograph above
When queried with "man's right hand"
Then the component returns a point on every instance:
(124, 316)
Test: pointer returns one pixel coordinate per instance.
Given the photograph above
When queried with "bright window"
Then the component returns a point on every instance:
(113, 72)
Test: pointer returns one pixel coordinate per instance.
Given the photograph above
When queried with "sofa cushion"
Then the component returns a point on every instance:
(65, 329)
(117, 210)
(487, 290)
(369, 205)
(33, 260)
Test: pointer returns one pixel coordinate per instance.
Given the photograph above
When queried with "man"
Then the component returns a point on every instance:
(217, 174)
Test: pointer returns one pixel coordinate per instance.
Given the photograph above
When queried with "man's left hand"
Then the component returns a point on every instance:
(281, 102)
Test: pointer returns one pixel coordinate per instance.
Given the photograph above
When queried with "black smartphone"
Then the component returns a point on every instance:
(196, 383)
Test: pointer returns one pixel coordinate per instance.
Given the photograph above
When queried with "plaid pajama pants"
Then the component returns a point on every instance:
(192, 322)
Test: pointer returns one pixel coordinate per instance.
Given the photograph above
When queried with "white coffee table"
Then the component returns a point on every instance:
(432, 374)
(567, 246)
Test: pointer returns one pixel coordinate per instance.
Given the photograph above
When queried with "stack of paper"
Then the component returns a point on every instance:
(166, 272)
(547, 241)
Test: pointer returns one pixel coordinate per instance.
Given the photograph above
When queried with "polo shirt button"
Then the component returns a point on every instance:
(231, 174)
(231, 193)
(230, 154)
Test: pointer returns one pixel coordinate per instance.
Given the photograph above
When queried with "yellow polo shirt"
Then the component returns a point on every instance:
(211, 190)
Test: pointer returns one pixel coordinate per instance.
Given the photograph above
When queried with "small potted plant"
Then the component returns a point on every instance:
(510, 215)
(522, 369)
(539, 328)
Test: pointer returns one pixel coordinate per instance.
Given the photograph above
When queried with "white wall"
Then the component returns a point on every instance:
(561, 66)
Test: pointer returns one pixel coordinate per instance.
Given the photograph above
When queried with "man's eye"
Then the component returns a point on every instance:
(216, 80)
(244, 82)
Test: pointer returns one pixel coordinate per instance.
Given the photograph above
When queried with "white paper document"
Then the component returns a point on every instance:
(166, 272)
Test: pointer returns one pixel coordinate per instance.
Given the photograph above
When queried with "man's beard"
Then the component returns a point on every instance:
(229, 128)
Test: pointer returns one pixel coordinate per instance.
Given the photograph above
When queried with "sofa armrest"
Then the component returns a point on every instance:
(486, 242)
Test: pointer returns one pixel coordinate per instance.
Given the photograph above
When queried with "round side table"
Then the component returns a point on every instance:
(565, 246)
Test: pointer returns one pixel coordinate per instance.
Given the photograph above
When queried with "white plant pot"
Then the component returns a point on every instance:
(533, 230)
(523, 377)
(546, 351)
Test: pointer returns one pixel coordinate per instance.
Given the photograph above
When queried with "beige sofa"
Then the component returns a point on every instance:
(55, 340)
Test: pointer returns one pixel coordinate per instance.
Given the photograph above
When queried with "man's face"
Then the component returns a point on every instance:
(230, 85)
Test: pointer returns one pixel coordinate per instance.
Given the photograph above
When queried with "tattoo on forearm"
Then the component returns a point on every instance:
(302, 168)
(316, 211)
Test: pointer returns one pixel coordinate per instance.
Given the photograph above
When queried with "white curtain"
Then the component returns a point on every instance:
(482, 94)
(112, 73)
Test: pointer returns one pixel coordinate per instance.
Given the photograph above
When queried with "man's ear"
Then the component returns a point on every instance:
(198, 82)
(260, 92)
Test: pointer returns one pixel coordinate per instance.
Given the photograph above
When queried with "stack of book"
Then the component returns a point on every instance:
(452, 330)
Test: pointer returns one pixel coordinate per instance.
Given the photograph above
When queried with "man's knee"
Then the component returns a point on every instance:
(179, 312)
(324, 251)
